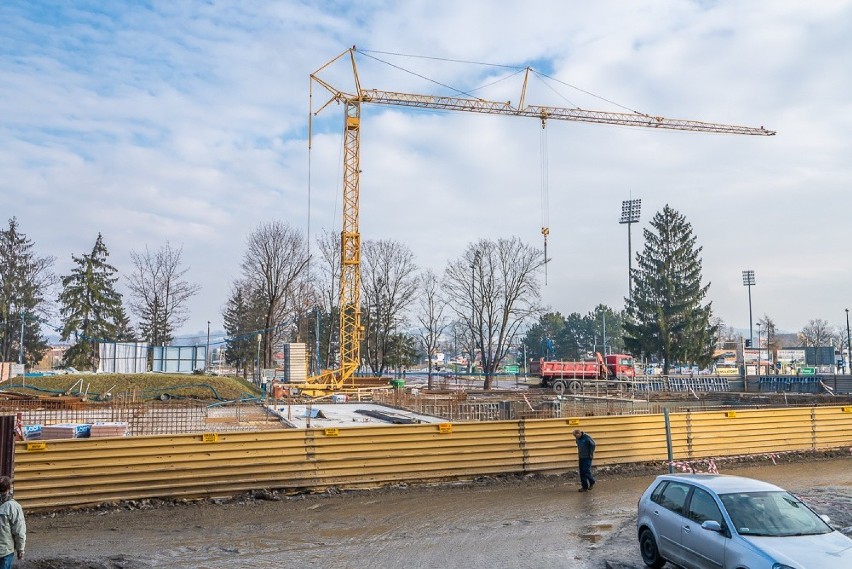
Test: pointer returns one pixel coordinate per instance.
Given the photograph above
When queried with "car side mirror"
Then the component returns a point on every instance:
(825, 518)
(711, 525)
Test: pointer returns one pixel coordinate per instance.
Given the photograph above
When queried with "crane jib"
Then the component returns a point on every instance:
(465, 104)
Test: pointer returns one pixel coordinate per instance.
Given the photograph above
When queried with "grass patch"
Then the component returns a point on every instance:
(147, 385)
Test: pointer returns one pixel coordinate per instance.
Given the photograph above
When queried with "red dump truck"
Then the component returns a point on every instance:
(567, 376)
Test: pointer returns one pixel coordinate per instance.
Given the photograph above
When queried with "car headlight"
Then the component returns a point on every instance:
(781, 566)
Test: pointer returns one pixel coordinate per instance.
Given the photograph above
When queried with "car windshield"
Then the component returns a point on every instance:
(776, 514)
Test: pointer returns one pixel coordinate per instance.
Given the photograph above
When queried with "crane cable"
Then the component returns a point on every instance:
(545, 192)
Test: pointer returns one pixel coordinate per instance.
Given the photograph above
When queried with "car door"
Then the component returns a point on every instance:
(703, 548)
(668, 518)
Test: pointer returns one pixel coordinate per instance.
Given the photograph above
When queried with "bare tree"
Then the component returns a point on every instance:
(158, 292)
(817, 333)
(463, 342)
(772, 345)
(389, 285)
(328, 283)
(431, 317)
(275, 264)
(494, 289)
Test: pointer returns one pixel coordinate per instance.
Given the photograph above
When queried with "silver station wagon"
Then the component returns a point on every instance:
(716, 521)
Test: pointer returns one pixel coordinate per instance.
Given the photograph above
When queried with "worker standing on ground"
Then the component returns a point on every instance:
(586, 452)
(13, 528)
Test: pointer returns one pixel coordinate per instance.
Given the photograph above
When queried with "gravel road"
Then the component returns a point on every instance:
(523, 523)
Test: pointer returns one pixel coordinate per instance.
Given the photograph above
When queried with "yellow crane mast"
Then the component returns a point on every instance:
(350, 237)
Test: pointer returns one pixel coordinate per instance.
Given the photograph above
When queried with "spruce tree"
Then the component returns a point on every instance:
(542, 339)
(91, 308)
(243, 318)
(25, 282)
(665, 315)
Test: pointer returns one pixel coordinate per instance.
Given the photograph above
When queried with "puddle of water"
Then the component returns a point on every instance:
(595, 532)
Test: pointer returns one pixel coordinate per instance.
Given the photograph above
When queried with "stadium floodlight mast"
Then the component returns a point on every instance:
(630, 210)
(748, 280)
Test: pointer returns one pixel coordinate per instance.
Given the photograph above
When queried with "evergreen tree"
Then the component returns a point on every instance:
(243, 318)
(579, 336)
(665, 316)
(91, 308)
(602, 316)
(543, 339)
(25, 282)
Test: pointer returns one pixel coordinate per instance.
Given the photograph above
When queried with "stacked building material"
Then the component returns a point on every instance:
(66, 431)
(107, 429)
(32, 432)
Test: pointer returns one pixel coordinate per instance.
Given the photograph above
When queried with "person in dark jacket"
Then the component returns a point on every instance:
(586, 452)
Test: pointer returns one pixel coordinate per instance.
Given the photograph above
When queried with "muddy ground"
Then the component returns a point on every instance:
(507, 522)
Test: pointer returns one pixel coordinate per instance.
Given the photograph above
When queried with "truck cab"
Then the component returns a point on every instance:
(620, 366)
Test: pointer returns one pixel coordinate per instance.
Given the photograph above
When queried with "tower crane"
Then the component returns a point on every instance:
(350, 237)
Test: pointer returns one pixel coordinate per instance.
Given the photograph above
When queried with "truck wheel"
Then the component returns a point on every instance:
(575, 387)
(559, 387)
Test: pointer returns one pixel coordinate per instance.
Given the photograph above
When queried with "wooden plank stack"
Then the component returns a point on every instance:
(110, 429)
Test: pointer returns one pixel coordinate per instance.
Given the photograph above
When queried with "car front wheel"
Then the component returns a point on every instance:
(650, 553)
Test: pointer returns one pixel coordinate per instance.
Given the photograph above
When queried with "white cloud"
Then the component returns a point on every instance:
(187, 122)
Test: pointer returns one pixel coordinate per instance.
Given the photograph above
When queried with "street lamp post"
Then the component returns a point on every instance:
(21, 351)
(473, 265)
(848, 348)
(748, 280)
(257, 361)
(207, 350)
(630, 210)
(758, 347)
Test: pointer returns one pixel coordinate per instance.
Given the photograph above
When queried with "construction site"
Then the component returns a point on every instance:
(143, 442)
(69, 413)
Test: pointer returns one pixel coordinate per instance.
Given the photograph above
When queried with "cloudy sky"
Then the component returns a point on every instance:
(187, 122)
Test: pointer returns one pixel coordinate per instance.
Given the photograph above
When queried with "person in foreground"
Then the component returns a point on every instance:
(586, 452)
(13, 528)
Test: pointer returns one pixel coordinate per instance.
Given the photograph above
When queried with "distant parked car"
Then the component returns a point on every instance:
(729, 522)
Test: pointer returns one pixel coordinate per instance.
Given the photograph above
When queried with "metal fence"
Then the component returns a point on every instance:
(142, 418)
(507, 405)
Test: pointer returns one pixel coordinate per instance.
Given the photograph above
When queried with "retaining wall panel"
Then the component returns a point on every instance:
(82, 472)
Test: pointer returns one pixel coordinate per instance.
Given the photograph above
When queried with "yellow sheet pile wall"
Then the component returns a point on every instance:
(77, 472)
